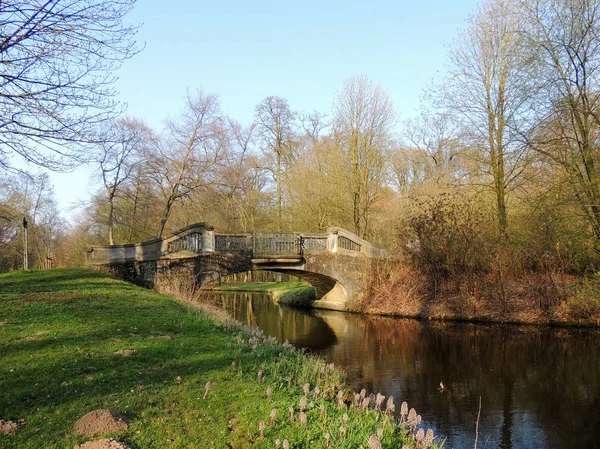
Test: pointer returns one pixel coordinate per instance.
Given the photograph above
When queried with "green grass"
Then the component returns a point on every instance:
(60, 329)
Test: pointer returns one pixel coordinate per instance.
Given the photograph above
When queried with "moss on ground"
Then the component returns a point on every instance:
(196, 378)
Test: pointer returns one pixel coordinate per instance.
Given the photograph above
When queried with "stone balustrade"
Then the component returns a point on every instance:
(200, 238)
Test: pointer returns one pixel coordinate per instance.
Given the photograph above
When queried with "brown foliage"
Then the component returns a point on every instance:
(451, 265)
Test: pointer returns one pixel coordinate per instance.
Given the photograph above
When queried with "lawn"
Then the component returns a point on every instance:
(192, 379)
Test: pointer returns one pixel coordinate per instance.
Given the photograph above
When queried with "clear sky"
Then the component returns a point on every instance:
(245, 51)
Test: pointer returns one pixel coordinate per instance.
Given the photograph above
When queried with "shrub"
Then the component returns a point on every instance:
(447, 238)
(584, 302)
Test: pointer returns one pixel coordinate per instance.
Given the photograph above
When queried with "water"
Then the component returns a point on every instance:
(539, 387)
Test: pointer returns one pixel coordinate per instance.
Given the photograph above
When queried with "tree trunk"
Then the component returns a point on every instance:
(111, 220)
(165, 217)
(278, 181)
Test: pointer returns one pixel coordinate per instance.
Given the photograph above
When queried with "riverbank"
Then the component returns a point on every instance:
(297, 294)
(526, 299)
(567, 303)
(75, 341)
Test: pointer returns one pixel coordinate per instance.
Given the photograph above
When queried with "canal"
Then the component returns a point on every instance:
(538, 387)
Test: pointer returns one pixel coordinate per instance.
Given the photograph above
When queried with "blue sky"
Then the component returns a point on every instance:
(245, 51)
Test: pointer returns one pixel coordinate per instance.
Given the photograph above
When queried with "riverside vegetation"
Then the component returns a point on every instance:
(449, 265)
(73, 341)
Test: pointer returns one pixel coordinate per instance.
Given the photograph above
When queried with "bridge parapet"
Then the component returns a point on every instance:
(187, 242)
(200, 239)
(346, 242)
(293, 244)
(233, 242)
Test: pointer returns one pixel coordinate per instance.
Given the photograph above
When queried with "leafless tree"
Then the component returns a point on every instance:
(235, 173)
(275, 122)
(119, 156)
(313, 124)
(58, 60)
(31, 196)
(488, 89)
(363, 120)
(435, 139)
(564, 38)
(191, 148)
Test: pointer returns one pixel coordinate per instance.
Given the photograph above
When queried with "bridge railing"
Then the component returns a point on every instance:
(315, 243)
(276, 244)
(233, 242)
(189, 241)
(273, 244)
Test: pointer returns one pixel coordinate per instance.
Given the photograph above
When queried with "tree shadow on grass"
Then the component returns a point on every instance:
(59, 358)
(74, 375)
(58, 280)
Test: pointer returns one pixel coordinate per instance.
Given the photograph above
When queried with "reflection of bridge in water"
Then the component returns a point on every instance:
(337, 263)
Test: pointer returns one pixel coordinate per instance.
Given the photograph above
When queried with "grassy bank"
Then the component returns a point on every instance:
(293, 293)
(192, 378)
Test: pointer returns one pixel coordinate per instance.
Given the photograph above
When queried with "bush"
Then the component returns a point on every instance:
(554, 239)
(584, 302)
(446, 237)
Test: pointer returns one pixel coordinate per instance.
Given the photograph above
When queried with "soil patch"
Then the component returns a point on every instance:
(160, 337)
(100, 422)
(125, 352)
(8, 427)
(106, 443)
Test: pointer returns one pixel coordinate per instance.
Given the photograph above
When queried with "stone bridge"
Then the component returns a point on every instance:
(337, 263)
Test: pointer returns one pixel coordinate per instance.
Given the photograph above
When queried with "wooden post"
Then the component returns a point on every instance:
(26, 244)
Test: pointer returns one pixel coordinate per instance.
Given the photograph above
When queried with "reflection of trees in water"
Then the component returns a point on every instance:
(299, 327)
(540, 377)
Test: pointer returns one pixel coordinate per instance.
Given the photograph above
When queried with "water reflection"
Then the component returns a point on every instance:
(539, 387)
(300, 327)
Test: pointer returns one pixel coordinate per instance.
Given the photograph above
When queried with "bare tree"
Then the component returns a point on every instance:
(564, 38)
(58, 60)
(363, 119)
(10, 217)
(119, 156)
(313, 124)
(435, 140)
(275, 123)
(139, 209)
(31, 196)
(221, 201)
(318, 186)
(193, 146)
(488, 90)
